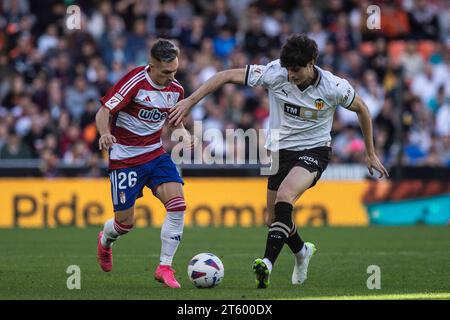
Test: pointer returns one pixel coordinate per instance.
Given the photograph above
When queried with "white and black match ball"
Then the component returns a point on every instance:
(205, 270)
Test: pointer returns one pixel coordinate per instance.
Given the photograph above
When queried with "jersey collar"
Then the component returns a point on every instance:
(319, 76)
(316, 82)
(147, 76)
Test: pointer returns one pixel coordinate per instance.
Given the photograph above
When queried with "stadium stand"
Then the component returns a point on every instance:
(51, 78)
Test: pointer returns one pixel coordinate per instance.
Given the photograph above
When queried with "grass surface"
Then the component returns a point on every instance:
(414, 262)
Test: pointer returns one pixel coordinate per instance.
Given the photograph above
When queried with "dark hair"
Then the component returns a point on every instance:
(164, 50)
(298, 51)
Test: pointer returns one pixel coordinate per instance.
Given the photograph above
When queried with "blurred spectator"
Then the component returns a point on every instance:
(17, 89)
(272, 23)
(191, 35)
(78, 95)
(136, 43)
(49, 164)
(395, 23)
(424, 85)
(69, 137)
(256, 40)
(411, 61)
(319, 35)
(14, 148)
(443, 119)
(349, 145)
(444, 21)
(385, 126)
(379, 59)
(49, 40)
(164, 22)
(219, 17)
(78, 154)
(51, 77)
(341, 35)
(303, 15)
(424, 20)
(3, 134)
(224, 43)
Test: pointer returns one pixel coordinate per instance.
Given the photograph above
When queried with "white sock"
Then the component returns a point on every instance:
(300, 256)
(171, 232)
(109, 234)
(268, 264)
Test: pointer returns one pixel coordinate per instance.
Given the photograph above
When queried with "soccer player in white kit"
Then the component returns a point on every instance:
(302, 102)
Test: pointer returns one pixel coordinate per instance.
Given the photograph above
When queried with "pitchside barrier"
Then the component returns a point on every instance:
(229, 202)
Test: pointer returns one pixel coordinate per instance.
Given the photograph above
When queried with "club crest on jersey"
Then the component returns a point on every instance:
(153, 115)
(257, 70)
(122, 197)
(169, 99)
(319, 104)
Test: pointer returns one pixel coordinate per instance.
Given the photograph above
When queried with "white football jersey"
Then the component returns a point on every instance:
(298, 119)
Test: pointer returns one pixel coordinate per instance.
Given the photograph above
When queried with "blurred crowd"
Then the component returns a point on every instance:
(51, 77)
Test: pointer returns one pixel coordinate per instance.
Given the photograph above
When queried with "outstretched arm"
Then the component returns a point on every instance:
(102, 121)
(365, 122)
(183, 107)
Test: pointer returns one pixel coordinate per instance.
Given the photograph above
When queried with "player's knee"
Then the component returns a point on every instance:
(175, 204)
(285, 195)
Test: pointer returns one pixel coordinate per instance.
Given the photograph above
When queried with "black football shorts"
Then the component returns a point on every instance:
(313, 160)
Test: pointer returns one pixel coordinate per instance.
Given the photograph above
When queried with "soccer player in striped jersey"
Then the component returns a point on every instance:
(130, 122)
(302, 102)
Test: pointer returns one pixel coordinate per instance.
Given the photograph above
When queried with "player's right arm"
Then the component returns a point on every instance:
(183, 107)
(102, 121)
(116, 99)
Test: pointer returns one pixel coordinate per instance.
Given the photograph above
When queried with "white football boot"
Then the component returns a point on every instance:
(300, 272)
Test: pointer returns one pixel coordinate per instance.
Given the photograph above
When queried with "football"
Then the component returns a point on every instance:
(205, 270)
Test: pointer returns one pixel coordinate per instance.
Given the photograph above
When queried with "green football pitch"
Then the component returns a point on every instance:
(414, 264)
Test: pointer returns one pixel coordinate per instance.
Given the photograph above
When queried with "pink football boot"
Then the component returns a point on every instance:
(165, 274)
(104, 255)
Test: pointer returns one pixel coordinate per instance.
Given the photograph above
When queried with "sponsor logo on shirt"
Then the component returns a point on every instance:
(300, 112)
(153, 115)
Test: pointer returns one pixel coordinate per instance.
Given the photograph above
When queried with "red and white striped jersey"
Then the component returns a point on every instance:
(139, 109)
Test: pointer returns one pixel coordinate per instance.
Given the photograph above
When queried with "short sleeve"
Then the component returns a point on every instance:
(345, 94)
(255, 75)
(121, 94)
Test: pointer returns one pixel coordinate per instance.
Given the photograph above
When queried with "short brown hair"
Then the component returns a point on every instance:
(164, 50)
(298, 51)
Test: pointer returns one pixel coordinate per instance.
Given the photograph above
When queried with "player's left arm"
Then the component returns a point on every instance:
(365, 122)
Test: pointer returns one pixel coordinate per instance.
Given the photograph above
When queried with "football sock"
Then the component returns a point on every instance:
(300, 256)
(295, 242)
(172, 229)
(279, 230)
(112, 231)
(171, 233)
(268, 264)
